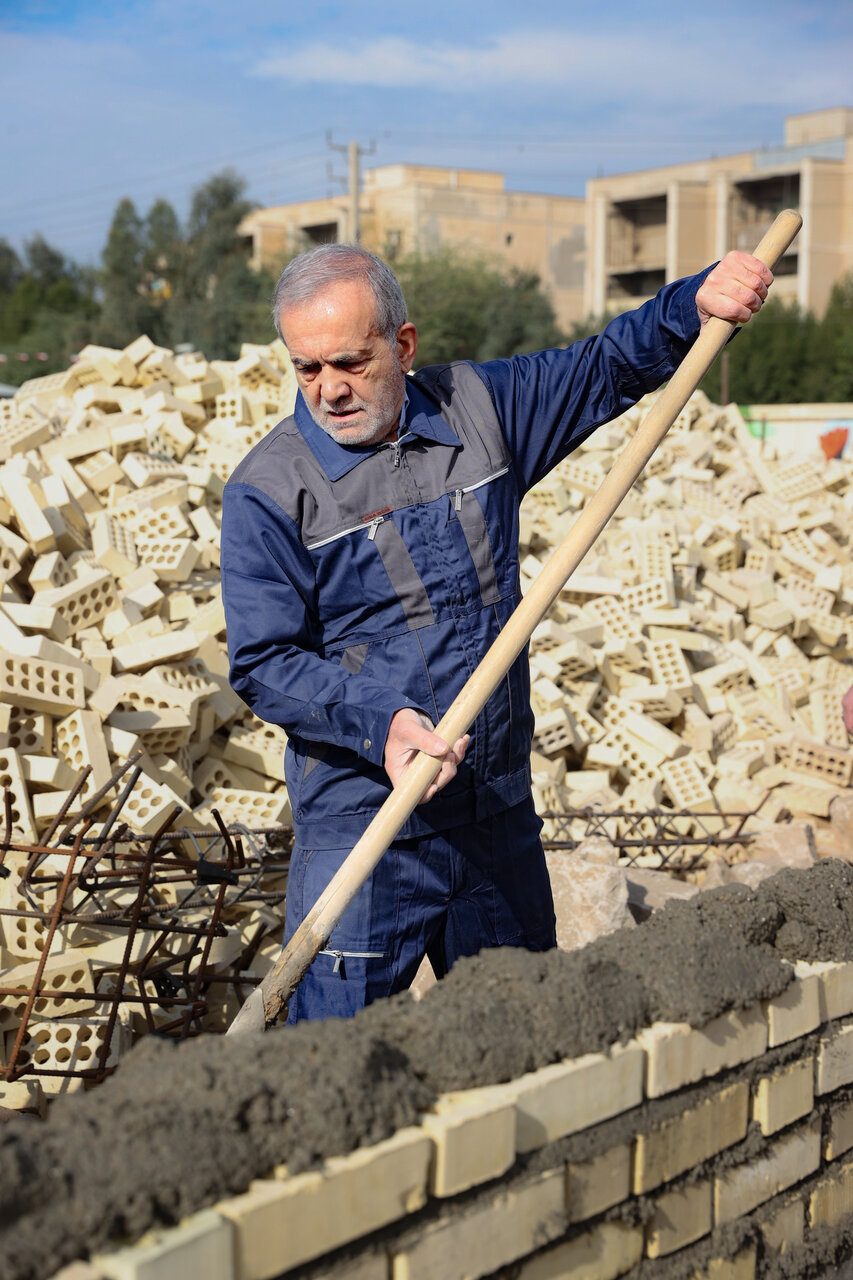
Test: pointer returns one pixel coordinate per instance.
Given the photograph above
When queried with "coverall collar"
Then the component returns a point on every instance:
(419, 417)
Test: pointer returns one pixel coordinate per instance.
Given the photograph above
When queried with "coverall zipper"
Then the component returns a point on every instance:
(340, 956)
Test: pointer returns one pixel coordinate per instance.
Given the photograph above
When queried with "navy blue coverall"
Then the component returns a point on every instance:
(358, 580)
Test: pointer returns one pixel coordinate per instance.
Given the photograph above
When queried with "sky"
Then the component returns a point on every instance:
(101, 100)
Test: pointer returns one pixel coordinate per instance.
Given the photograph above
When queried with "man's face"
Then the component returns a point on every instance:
(353, 382)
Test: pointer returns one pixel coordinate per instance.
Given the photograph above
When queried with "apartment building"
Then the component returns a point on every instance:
(405, 208)
(646, 228)
(632, 233)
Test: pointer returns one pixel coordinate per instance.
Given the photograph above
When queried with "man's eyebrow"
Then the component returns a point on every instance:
(343, 357)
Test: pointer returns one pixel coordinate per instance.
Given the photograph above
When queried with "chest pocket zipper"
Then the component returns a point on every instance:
(469, 488)
(371, 526)
(473, 522)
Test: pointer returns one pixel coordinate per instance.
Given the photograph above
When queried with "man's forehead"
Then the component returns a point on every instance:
(343, 308)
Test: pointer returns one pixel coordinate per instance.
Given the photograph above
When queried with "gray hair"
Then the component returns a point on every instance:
(307, 275)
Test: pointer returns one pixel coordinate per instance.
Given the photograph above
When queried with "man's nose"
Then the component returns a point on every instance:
(334, 385)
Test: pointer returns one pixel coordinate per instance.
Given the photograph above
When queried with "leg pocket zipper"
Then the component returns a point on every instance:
(341, 956)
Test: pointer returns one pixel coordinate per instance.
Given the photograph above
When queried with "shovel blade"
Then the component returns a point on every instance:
(251, 1017)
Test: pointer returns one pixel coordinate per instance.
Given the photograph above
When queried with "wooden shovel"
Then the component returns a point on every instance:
(265, 1003)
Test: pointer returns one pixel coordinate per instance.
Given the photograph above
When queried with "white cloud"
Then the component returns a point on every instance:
(670, 66)
(392, 62)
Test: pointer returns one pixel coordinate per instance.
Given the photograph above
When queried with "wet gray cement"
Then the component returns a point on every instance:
(179, 1126)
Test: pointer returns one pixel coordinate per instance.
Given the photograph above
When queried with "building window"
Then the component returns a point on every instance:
(321, 233)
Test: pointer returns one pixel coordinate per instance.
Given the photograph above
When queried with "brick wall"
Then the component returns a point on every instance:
(723, 1151)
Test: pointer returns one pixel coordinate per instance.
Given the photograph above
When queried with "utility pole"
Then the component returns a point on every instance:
(353, 152)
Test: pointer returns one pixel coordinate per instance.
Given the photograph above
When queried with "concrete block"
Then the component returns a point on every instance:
(669, 667)
(678, 1054)
(46, 773)
(27, 732)
(78, 1271)
(83, 602)
(656, 701)
(66, 1045)
(37, 618)
(200, 1246)
(284, 1221)
(23, 498)
(831, 764)
(144, 469)
(835, 986)
(148, 805)
(794, 1013)
(790, 1159)
(51, 687)
(9, 564)
(515, 1223)
(685, 1140)
(253, 808)
(832, 1198)
(570, 1096)
(261, 749)
(473, 1136)
(69, 977)
(152, 525)
(784, 1096)
(113, 545)
(100, 471)
(681, 1216)
(173, 560)
(597, 1184)
(686, 785)
(741, 1267)
(173, 646)
(834, 1066)
(839, 1136)
(164, 493)
(784, 1225)
(651, 593)
(12, 779)
(605, 1252)
(80, 741)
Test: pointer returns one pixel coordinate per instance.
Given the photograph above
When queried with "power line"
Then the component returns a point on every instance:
(87, 192)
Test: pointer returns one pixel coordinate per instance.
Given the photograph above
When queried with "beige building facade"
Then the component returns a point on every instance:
(631, 234)
(644, 229)
(415, 208)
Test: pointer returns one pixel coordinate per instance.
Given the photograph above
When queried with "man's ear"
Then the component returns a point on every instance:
(407, 345)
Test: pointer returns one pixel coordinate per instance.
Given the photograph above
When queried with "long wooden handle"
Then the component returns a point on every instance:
(316, 928)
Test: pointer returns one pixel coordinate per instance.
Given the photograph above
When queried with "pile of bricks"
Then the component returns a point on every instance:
(588, 1168)
(111, 619)
(697, 659)
(112, 629)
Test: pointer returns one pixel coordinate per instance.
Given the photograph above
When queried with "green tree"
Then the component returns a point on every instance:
(832, 365)
(126, 308)
(770, 358)
(217, 300)
(466, 308)
(164, 241)
(11, 269)
(46, 265)
(47, 306)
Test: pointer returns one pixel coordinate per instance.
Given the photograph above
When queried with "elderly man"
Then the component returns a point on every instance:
(369, 559)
